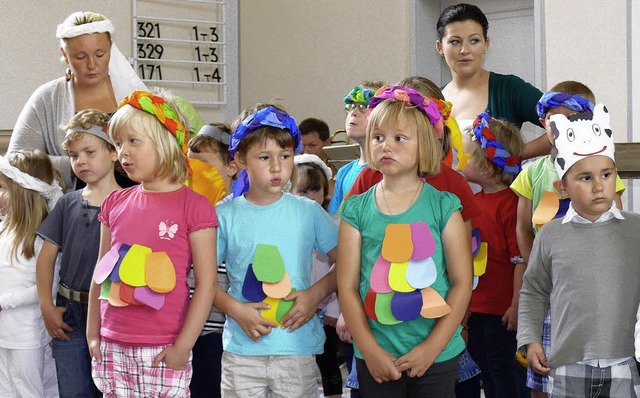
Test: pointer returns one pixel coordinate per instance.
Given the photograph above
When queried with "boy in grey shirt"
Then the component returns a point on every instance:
(579, 265)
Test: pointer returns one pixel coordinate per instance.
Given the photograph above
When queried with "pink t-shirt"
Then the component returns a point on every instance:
(161, 221)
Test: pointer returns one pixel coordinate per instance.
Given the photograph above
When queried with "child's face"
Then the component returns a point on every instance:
(4, 196)
(394, 149)
(470, 171)
(356, 122)
(210, 157)
(313, 144)
(91, 160)
(591, 185)
(137, 154)
(269, 167)
(560, 110)
(317, 195)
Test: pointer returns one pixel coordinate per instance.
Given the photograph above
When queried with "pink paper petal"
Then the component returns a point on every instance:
(379, 279)
(424, 244)
(106, 265)
(146, 296)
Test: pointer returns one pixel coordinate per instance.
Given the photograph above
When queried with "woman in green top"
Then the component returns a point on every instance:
(463, 42)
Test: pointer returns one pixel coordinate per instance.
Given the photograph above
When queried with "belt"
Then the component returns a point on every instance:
(73, 295)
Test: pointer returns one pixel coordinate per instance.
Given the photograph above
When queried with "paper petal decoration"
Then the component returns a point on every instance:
(397, 246)
(126, 294)
(268, 264)
(421, 273)
(272, 313)
(547, 208)
(159, 272)
(279, 289)
(406, 306)
(475, 241)
(480, 260)
(563, 207)
(106, 264)
(252, 287)
(424, 244)
(383, 309)
(132, 266)
(379, 279)
(370, 305)
(283, 308)
(114, 295)
(148, 297)
(398, 277)
(476, 279)
(122, 251)
(105, 287)
(433, 305)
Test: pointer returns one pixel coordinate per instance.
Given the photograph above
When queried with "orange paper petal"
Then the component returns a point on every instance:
(279, 289)
(160, 274)
(397, 246)
(433, 305)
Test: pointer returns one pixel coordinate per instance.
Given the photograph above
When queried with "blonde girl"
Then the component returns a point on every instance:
(28, 191)
(141, 324)
(401, 300)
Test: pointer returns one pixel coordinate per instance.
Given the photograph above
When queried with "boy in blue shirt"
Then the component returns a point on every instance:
(266, 238)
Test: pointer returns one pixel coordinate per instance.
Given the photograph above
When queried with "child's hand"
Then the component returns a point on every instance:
(381, 365)
(537, 359)
(94, 348)
(172, 356)
(304, 309)
(417, 361)
(510, 318)
(343, 332)
(53, 322)
(249, 319)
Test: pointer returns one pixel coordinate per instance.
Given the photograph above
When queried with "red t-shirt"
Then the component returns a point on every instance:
(448, 180)
(497, 225)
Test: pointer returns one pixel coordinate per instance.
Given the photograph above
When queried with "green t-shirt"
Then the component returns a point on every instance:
(433, 207)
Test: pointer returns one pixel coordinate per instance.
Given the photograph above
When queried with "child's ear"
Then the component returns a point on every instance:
(561, 188)
(232, 169)
(239, 161)
(114, 155)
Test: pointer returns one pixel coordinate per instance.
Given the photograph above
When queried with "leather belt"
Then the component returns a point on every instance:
(73, 295)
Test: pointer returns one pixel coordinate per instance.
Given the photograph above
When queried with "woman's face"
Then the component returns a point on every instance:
(463, 46)
(88, 57)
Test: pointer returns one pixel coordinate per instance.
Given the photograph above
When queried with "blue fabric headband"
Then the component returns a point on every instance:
(553, 99)
(269, 116)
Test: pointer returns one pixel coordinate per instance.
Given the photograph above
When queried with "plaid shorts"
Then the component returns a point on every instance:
(578, 380)
(534, 380)
(126, 371)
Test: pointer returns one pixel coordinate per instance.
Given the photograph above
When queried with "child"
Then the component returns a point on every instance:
(494, 148)
(401, 287)
(28, 191)
(141, 332)
(73, 229)
(211, 145)
(355, 125)
(578, 265)
(536, 181)
(311, 180)
(266, 237)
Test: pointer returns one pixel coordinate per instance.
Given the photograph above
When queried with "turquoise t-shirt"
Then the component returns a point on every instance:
(296, 225)
(433, 207)
(345, 179)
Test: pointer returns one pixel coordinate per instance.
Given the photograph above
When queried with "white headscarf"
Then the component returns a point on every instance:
(51, 192)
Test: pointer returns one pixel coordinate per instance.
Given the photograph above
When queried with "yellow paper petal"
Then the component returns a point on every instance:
(132, 267)
(480, 260)
(206, 180)
(271, 313)
(398, 277)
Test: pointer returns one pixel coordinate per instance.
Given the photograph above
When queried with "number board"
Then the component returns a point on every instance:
(181, 45)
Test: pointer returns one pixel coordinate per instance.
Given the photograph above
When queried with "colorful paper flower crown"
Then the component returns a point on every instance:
(359, 94)
(553, 99)
(495, 151)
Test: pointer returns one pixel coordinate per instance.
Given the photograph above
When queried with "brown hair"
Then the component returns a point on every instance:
(312, 124)
(204, 143)
(27, 208)
(574, 88)
(310, 176)
(85, 119)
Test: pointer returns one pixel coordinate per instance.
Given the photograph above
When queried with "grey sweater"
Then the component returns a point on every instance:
(590, 275)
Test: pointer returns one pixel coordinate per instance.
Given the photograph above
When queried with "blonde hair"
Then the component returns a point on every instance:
(80, 18)
(85, 119)
(509, 136)
(311, 177)
(173, 162)
(27, 208)
(399, 113)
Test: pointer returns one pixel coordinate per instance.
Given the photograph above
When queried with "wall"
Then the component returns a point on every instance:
(311, 53)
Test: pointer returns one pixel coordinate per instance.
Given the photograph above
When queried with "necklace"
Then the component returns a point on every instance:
(413, 199)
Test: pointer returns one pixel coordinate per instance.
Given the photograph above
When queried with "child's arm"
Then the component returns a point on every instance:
(537, 359)
(307, 301)
(524, 231)
(537, 147)
(93, 313)
(247, 315)
(510, 318)
(51, 314)
(203, 251)
(380, 362)
(454, 238)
